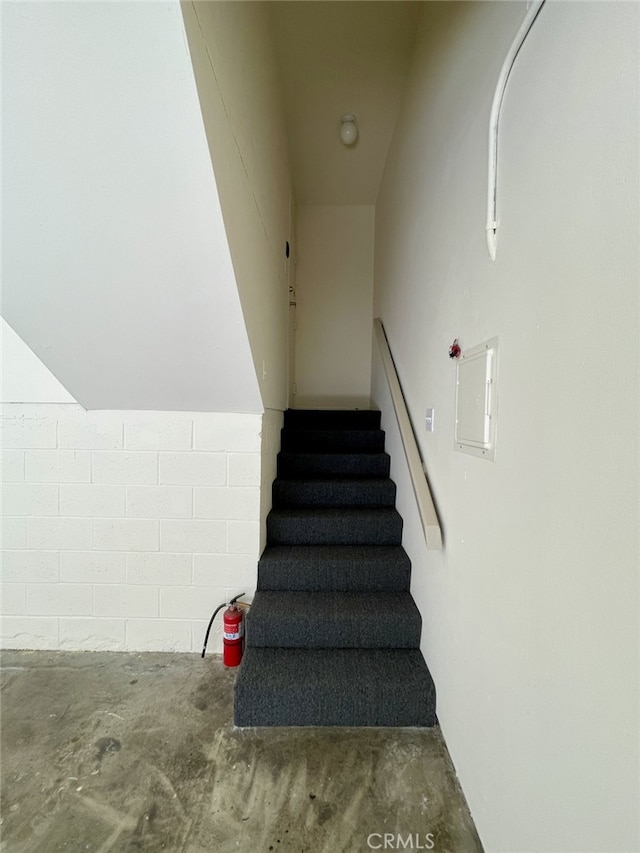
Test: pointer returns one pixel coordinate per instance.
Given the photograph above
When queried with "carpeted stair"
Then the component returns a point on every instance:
(333, 633)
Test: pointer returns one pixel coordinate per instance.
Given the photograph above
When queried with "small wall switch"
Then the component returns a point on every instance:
(429, 420)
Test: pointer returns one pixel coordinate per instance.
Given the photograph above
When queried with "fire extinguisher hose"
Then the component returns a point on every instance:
(215, 613)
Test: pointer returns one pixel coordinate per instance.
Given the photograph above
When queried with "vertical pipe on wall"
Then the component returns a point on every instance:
(494, 122)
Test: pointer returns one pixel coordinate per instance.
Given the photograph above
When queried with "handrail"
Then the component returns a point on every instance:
(426, 508)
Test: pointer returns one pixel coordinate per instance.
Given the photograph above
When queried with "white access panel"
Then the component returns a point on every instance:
(476, 400)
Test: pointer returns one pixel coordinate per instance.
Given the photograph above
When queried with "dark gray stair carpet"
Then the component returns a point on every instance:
(333, 633)
(340, 620)
(329, 526)
(297, 465)
(328, 687)
(332, 419)
(334, 492)
(333, 440)
(344, 568)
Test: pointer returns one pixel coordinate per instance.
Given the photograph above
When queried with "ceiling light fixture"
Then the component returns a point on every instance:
(348, 129)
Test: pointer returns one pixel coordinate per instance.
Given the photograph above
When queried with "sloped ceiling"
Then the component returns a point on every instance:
(116, 268)
(335, 58)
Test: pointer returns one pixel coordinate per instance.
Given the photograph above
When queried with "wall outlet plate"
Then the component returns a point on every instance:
(429, 420)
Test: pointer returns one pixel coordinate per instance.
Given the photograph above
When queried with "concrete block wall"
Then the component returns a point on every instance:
(123, 530)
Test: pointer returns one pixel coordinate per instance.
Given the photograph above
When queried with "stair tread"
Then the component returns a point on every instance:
(335, 554)
(328, 687)
(340, 481)
(347, 603)
(356, 454)
(330, 431)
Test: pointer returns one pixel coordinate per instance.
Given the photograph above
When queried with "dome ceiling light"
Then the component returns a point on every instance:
(348, 129)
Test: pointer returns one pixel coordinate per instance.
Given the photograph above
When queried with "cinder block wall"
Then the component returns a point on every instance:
(123, 530)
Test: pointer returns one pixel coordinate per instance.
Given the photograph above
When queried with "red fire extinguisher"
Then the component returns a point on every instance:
(233, 631)
(233, 635)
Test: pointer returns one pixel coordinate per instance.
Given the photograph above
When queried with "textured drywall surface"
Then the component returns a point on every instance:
(334, 294)
(531, 611)
(239, 91)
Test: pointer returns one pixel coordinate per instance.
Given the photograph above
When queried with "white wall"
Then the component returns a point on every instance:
(116, 266)
(334, 294)
(272, 422)
(239, 93)
(24, 378)
(531, 611)
(124, 530)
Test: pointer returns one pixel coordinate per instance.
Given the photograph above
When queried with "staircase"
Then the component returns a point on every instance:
(333, 633)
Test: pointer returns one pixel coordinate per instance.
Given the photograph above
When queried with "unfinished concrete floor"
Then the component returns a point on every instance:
(137, 752)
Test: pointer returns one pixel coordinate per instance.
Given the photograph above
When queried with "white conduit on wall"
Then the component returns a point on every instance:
(494, 121)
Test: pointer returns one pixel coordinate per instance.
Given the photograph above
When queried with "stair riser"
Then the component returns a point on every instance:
(334, 531)
(334, 493)
(349, 569)
(260, 708)
(300, 419)
(332, 441)
(299, 465)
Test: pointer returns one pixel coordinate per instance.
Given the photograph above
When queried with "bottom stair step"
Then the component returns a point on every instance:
(326, 687)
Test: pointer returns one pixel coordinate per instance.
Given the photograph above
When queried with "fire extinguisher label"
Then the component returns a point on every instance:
(237, 635)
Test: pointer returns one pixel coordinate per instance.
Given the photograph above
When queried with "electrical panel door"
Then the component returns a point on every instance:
(476, 399)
